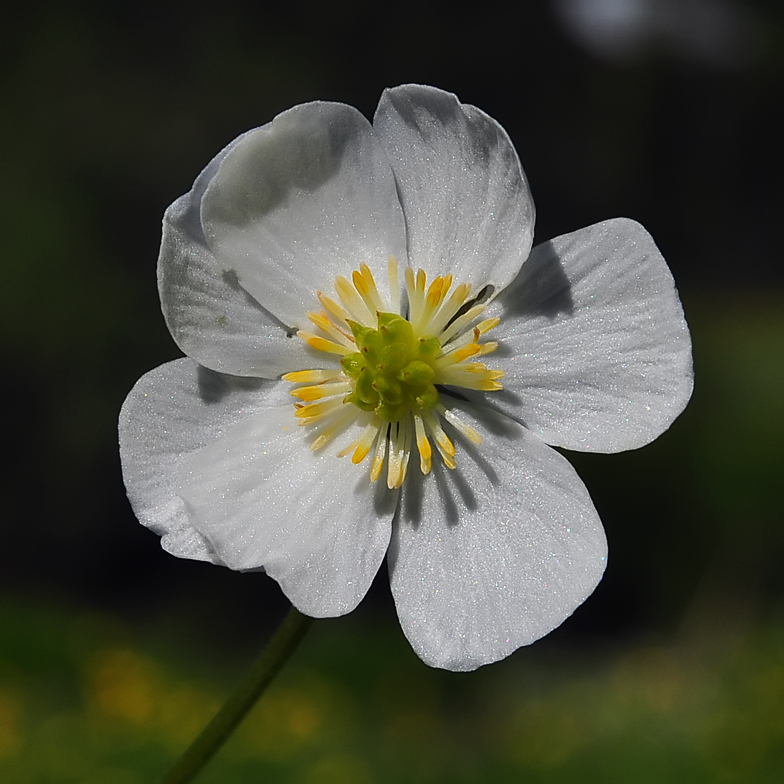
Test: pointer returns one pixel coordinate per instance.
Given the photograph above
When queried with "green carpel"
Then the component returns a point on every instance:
(392, 370)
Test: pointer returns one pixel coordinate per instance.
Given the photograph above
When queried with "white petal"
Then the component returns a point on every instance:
(496, 553)
(211, 318)
(171, 413)
(468, 208)
(595, 347)
(305, 198)
(314, 522)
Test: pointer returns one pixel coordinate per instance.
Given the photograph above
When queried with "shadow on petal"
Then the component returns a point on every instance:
(413, 495)
(489, 400)
(491, 421)
(442, 110)
(384, 499)
(474, 452)
(455, 493)
(273, 165)
(505, 400)
(213, 387)
(542, 287)
(447, 482)
(231, 279)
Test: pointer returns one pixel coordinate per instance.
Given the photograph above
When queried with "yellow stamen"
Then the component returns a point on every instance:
(357, 308)
(333, 425)
(487, 348)
(423, 445)
(395, 457)
(414, 298)
(394, 286)
(334, 309)
(399, 451)
(361, 446)
(311, 376)
(448, 310)
(366, 286)
(449, 460)
(434, 293)
(320, 442)
(435, 296)
(322, 344)
(444, 446)
(469, 336)
(322, 321)
(458, 424)
(440, 437)
(380, 453)
(457, 325)
(321, 390)
(315, 411)
(488, 324)
(473, 376)
(453, 357)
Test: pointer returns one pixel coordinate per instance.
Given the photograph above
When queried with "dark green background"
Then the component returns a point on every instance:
(113, 654)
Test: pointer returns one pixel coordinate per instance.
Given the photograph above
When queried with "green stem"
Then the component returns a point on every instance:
(217, 732)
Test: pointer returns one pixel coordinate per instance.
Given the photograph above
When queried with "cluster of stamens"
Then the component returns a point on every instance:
(391, 367)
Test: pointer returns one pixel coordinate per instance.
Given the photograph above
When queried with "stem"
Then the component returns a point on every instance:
(217, 732)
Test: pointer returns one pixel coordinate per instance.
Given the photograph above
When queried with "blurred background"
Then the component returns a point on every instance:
(114, 654)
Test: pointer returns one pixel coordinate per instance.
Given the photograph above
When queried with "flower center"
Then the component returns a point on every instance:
(392, 370)
(392, 363)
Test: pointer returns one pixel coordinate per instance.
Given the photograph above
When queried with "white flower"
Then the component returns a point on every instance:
(276, 265)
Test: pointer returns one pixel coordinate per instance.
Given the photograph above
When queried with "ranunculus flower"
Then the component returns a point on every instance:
(359, 268)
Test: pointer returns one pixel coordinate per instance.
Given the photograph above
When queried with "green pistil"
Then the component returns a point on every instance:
(392, 368)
